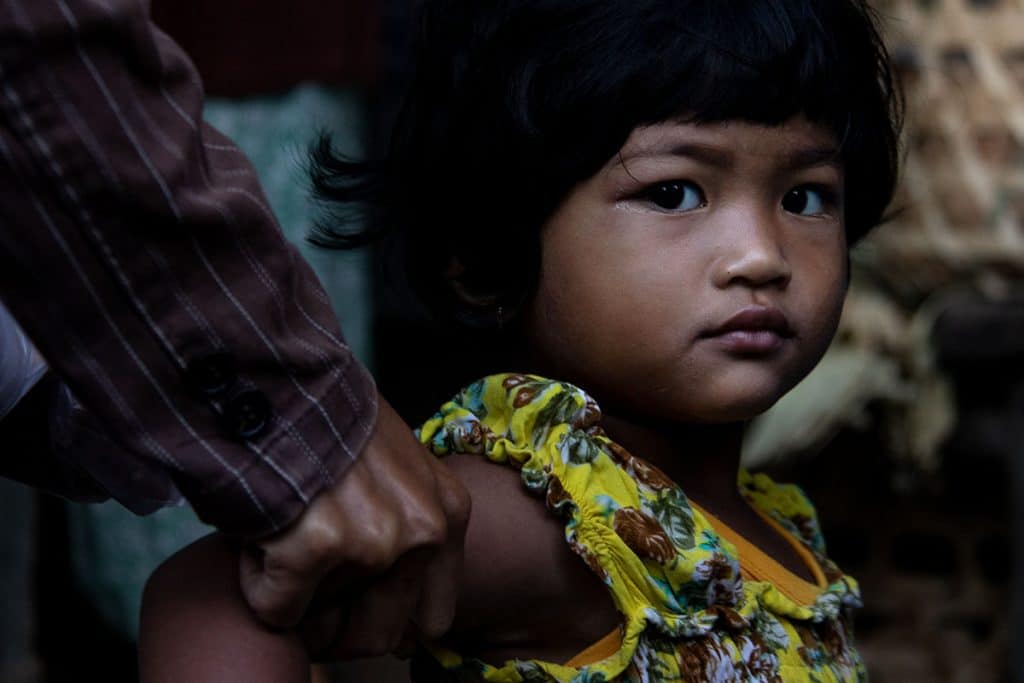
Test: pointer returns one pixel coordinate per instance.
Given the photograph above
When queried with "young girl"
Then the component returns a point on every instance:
(647, 205)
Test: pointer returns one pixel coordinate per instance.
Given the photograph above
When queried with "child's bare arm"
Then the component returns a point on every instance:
(197, 627)
(522, 593)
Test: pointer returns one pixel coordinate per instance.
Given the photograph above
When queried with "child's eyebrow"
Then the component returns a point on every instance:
(705, 154)
(813, 156)
(718, 157)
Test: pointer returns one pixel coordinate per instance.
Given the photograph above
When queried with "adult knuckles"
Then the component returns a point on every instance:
(427, 528)
(372, 547)
(444, 512)
(271, 604)
(323, 540)
(377, 544)
(455, 499)
(458, 504)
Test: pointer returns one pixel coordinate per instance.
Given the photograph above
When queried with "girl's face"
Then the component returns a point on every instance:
(700, 274)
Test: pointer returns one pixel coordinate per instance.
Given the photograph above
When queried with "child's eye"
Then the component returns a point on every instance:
(676, 195)
(806, 201)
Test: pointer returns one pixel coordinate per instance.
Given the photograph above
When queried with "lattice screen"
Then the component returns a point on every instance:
(962, 193)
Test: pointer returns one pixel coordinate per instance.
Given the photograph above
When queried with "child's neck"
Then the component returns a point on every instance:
(702, 459)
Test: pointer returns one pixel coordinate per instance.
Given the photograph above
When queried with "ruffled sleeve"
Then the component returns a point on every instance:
(665, 567)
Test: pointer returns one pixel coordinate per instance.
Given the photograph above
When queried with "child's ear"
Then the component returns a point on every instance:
(455, 274)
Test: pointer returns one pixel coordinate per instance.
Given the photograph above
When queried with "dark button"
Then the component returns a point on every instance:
(248, 414)
(212, 375)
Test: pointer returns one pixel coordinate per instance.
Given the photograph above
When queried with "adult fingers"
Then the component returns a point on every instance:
(279, 577)
(435, 609)
(320, 630)
(379, 616)
(396, 499)
(277, 592)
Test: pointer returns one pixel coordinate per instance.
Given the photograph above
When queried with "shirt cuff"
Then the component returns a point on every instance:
(293, 470)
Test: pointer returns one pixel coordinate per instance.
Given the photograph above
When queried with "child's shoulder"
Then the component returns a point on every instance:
(522, 584)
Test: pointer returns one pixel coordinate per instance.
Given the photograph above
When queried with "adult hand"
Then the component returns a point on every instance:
(393, 527)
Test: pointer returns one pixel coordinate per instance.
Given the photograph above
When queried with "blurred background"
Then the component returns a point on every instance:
(909, 436)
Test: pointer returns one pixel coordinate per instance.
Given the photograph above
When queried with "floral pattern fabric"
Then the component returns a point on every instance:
(687, 614)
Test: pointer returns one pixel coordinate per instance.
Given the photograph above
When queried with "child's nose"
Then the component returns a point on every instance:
(754, 256)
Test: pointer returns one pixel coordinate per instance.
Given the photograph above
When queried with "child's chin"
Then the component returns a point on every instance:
(739, 408)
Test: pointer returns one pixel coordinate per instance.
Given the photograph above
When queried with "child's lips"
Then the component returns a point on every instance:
(751, 342)
(755, 330)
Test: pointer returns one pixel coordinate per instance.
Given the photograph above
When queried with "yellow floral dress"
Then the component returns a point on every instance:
(689, 613)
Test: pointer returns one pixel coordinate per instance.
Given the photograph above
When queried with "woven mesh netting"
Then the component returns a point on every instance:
(961, 200)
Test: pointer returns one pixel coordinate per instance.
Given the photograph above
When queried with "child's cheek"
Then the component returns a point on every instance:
(822, 294)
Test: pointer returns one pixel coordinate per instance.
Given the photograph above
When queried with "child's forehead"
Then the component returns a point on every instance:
(796, 141)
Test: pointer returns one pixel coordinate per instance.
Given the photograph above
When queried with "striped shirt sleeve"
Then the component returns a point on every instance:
(140, 255)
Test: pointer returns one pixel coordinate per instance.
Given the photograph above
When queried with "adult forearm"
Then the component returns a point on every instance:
(138, 252)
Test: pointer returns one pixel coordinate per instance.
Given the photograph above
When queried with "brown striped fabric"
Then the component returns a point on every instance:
(136, 245)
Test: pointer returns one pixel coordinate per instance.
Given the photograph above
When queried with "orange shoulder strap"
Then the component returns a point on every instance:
(602, 649)
(757, 565)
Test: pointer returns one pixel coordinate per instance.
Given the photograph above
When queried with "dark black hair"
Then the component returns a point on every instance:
(514, 102)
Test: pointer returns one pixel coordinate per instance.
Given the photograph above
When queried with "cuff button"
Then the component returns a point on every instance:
(248, 414)
(212, 375)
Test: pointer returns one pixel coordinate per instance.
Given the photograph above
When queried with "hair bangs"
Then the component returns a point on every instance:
(750, 60)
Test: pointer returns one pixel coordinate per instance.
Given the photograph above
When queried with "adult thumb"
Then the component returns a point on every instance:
(278, 594)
